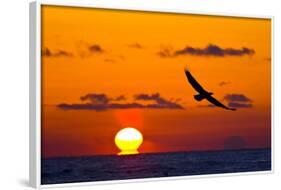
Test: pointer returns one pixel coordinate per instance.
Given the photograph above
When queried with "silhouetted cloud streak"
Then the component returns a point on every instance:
(166, 52)
(223, 83)
(96, 98)
(48, 53)
(101, 102)
(95, 48)
(160, 102)
(237, 98)
(120, 98)
(210, 50)
(214, 50)
(238, 101)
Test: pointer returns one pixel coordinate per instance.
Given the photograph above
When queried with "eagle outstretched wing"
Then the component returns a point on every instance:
(203, 94)
(194, 83)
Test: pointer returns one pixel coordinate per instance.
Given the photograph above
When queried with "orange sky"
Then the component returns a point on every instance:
(112, 52)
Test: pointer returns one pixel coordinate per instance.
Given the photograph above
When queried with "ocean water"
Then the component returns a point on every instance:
(113, 167)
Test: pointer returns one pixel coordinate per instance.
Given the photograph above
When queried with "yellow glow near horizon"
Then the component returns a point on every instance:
(128, 141)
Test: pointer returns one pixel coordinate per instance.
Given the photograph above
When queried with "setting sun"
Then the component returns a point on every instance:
(128, 141)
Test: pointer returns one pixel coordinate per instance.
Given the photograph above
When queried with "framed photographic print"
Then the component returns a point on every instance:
(122, 94)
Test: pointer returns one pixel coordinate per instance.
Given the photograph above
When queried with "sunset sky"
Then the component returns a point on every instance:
(104, 70)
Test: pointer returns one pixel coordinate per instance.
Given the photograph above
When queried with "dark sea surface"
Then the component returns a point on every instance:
(113, 167)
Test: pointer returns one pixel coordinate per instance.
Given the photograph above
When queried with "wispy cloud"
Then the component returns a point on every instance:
(237, 98)
(223, 83)
(136, 45)
(210, 50)
(238, 101)
(214, 50)
(95, 48)
(165, 52)
(160, 102)
(101, 102)
(60, 53)
(96, 98)
(86, 49)
(120, 98)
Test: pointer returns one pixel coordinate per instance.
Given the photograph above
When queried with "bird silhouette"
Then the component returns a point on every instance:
(203, 94)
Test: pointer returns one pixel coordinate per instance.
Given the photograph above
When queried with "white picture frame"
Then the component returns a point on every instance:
(35, 90)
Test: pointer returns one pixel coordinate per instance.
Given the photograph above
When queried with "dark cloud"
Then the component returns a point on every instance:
(120, 98)
(95, 48)
(99, 107)
(234, 143)
(166, 52)
(238, 101)
(101, 102)
(214, 50)
(96, 98)
(136, 45)
(101, 98)
(210, 50)
(60, 53)
(81, 107)
(160, 102)
(85, 49)
(237, 98)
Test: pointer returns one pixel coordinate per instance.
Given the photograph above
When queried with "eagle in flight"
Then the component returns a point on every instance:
(203, 94)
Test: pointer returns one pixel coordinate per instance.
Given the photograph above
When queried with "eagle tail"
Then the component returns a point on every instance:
(199, 97)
